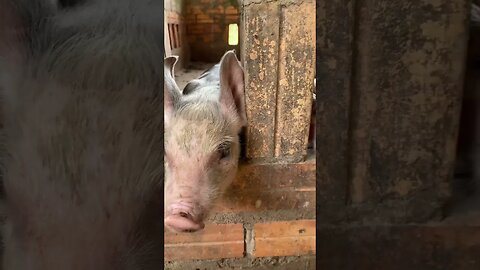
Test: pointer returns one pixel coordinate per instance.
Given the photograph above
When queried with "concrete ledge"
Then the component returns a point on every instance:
(267, 187)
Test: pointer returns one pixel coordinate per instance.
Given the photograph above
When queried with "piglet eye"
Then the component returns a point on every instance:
(224, 150)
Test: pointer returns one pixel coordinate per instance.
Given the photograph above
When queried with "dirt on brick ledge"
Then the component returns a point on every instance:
(278, 263)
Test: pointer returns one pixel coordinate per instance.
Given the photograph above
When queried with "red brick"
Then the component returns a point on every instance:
(231, 10)
(287, 238)
(216, 241)
(202, 18)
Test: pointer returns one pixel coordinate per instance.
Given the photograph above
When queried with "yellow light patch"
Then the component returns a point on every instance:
(233, 34)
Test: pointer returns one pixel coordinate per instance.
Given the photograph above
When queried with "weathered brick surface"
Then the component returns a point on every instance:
(261, 187)
(216, 241)
(296, 72)
(260, 57)
(288, 238)
(219, 241)
(278, 54)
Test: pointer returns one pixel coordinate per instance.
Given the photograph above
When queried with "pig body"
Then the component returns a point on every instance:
(83, 152)
(202, 147)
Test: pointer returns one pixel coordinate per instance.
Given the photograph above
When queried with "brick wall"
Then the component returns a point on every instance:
(268, 213)
(207, 27)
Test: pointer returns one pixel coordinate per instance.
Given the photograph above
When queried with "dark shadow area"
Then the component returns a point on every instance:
(466, 183)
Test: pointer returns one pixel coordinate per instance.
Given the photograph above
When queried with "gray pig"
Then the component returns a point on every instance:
(202, 148)
(82, 146)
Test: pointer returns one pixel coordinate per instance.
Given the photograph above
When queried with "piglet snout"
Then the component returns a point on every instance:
(181, 219)
(178, 223)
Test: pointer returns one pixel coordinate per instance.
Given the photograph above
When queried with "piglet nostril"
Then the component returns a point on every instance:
(183, 222)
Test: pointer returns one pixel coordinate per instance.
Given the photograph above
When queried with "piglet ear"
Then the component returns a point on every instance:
(169, 65)
(171, 92)
(232, 85)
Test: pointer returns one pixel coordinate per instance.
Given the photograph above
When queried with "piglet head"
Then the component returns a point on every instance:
(201, 144)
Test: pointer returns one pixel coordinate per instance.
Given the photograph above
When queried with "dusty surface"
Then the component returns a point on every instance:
(390, 96)
(261, 63)
(278, 263)
(279, 60)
